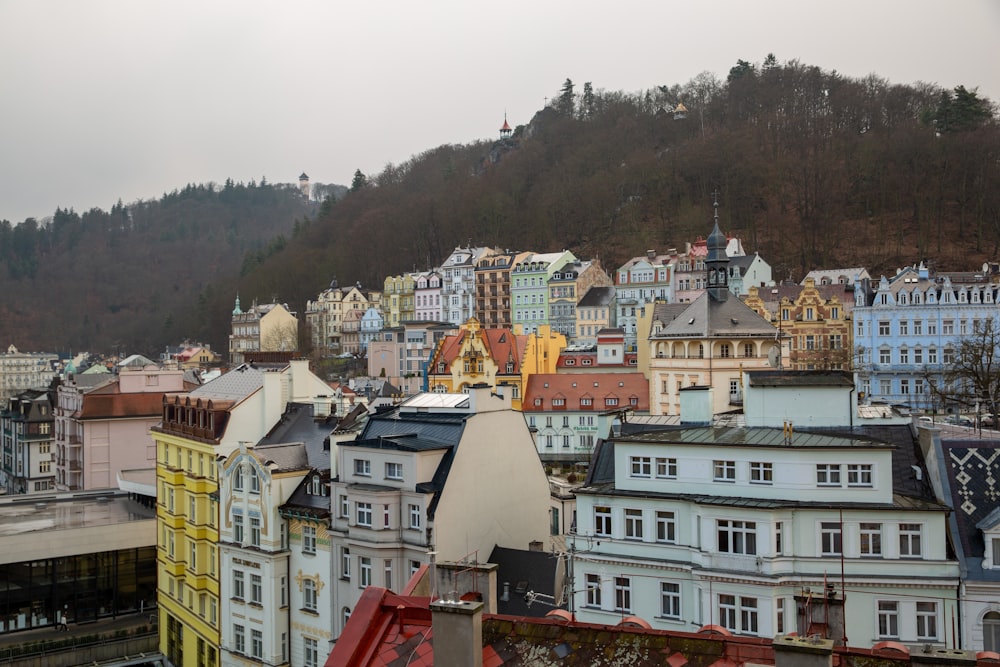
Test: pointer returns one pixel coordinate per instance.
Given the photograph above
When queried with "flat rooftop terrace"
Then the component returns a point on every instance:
(51, 525)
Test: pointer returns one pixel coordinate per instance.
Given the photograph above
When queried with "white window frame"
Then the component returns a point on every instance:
(724, 471)
(828, 474)
(761, 472)
(666, 527)
(633, 524)
(870, 542)
(309, 539)
(860, 475)
(670, 599)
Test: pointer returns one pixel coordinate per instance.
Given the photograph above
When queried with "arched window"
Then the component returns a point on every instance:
(991, 631)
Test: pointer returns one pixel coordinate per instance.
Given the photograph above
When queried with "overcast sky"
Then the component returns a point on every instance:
(109, 99)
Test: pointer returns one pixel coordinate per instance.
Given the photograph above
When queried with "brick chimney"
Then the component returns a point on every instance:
(458, 632)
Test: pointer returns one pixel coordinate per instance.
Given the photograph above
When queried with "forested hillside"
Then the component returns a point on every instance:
(812, 170)
(138, 276)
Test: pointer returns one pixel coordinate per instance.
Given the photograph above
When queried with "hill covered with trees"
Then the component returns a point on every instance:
(812, 169)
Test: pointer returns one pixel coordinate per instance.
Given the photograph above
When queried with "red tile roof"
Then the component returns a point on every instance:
(388, 630)
(111, 406)
(598, 387)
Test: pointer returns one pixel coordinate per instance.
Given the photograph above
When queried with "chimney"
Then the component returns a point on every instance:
(696, 405)
(458, 632)
(651, 254)
(792, 651)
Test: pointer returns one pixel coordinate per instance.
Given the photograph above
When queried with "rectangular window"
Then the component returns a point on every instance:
(727, 612)
(883, 328)
(364, 571)
(633, 524)
(666, 468)
(238, 528)
(256, 644)
(778, 534)
(238, 584)
(724, 471)
(904, 328)
(345, 563)
(748, 615)
(859, 474)
(670, 600)
(394, 470)
(888, 619)
(737, 537)
(909, 540)
(666, 527)
(363, 467)
(623, 594)
(602, 521)
(255, 531)
(593, 590)
(871, 540)
(256, 590)
(948, 328)
(345, 507)
(918, 327)
(828, 474)
(927, 621)
(885, 356)
(387, 573)
(415, 517)
(309, 594)
(364, 514)
(830, 539)
(309, 539)
(239, 638)
(761, 473)
(310, 649)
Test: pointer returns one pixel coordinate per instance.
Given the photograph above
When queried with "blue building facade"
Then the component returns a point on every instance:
(907, 330)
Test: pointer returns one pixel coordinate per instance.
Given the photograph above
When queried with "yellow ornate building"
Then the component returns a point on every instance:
(816, 320)
(497, 357)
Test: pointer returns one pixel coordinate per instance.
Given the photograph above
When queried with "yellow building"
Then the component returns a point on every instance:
(708, 342)
(398, 299)
(497, 357)
(196, 429)
(816, 319)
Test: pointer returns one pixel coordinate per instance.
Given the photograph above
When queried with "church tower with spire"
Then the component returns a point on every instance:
(717, 261)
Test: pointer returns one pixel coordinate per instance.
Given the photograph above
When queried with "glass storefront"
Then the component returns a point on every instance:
(87, 587)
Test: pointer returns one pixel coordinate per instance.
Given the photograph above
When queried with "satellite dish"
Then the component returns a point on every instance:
(559, 589)
(772, 357)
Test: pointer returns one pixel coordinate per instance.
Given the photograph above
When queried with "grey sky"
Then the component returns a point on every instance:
(109, 99)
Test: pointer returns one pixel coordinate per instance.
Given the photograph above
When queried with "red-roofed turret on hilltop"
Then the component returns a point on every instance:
(505, 130)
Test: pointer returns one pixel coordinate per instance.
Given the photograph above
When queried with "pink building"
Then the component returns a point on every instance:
(103, 429)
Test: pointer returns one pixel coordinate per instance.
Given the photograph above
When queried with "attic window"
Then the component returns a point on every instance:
(538, 402)
(571, 362)
(586, 362)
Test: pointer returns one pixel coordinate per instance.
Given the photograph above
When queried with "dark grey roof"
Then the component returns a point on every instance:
(972, 468)
(706, 317)
(298, 425)
(742, 261)
(524, 571)
(597, 296)
(754, 437)
(285, 457)
(766, 378)
(302, 502)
